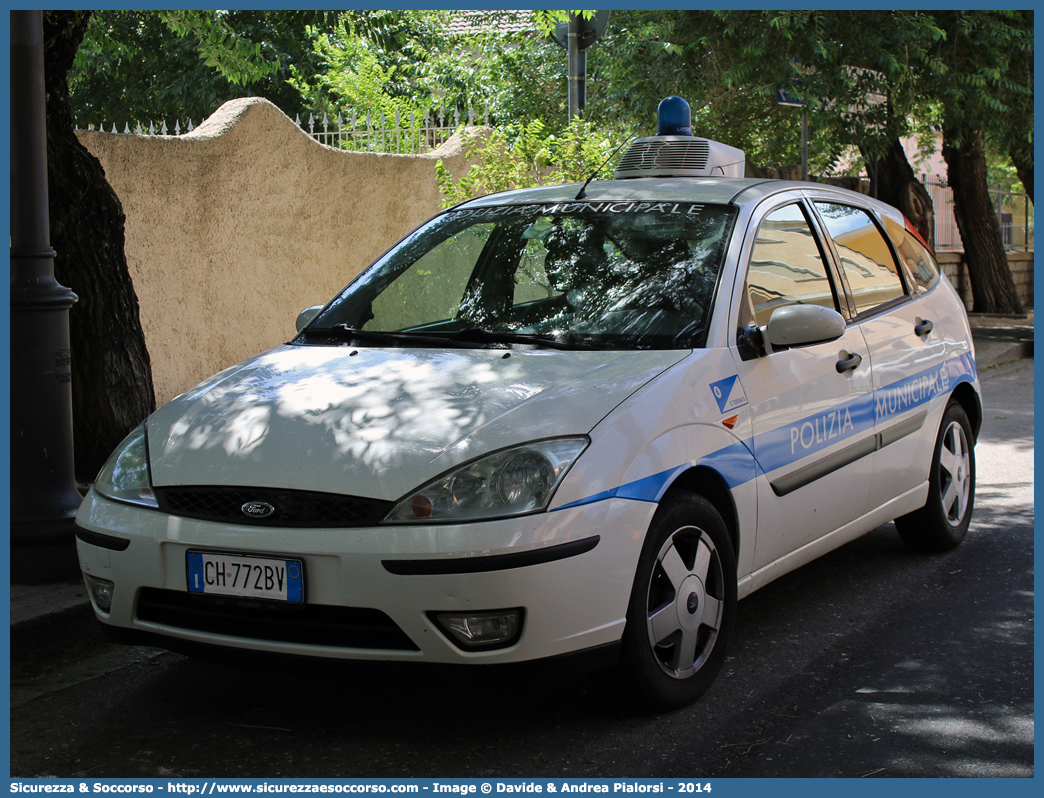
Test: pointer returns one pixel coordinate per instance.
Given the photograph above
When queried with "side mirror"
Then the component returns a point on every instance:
(798, 325)
(304, 318)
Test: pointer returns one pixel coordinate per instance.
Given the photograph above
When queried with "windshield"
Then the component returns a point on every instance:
(604, 275)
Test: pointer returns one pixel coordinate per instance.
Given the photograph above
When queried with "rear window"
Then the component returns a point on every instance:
(915, 257)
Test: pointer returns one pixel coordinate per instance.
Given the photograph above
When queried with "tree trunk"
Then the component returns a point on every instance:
(1023, 167)
(993, 289)
(111, 370)
(898, 186)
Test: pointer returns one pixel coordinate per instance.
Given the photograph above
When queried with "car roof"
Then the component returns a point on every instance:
(710, 190)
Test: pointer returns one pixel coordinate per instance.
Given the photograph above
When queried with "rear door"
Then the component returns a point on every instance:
(906, 353)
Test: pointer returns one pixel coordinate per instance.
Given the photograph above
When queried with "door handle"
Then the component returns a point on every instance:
(848, 364)
(923, 328)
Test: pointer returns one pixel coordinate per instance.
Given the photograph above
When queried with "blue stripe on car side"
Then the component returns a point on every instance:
(650, 489)
(780, 447)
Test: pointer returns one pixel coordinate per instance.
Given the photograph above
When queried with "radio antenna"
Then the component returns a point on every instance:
(583, 189)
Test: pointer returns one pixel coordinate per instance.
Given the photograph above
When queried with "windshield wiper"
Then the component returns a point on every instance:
(467, 338)
(392, 338)
(484, 336)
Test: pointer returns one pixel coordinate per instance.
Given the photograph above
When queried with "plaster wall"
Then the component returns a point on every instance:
(234, 228)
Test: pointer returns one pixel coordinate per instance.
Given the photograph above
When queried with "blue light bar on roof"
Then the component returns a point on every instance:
(673, 117)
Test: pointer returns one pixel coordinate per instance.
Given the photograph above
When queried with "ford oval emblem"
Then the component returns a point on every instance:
(257, 509)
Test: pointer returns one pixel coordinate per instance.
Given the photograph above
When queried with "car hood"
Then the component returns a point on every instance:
(380, 422)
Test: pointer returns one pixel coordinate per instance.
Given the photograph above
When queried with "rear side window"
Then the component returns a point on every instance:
(786, 266)
(871, 271)
(920, 264)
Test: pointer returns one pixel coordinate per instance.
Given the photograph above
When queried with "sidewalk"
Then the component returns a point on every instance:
(999, 339)
(55, 621)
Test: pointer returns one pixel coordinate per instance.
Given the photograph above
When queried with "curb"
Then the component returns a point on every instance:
(994, 351)
(49, 622)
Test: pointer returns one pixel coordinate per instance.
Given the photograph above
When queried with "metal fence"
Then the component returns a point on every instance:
(1014, 213)
(361, 133)
(395, 134)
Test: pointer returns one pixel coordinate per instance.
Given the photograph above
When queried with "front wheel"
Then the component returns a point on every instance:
(943, 521)
(683, 604)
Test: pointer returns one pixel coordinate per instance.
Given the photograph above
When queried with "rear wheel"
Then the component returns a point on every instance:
(683, 604)
(943, 521)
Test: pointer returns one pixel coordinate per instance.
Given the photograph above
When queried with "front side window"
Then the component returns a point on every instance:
(786, 265)
(607, 275)
(870, 269)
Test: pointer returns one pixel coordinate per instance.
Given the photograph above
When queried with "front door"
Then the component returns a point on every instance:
(810, 406)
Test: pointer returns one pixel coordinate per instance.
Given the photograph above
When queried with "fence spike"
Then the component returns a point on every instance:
(190, 128)
(152, 129)
(424, 134)
(326, 124)
(177, 128)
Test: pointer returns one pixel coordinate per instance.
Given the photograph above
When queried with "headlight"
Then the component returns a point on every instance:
(125, 477)
(513, 481)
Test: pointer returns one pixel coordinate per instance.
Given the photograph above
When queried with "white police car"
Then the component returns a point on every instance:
(556, 421)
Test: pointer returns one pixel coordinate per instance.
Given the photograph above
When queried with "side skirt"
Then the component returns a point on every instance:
(900, 505)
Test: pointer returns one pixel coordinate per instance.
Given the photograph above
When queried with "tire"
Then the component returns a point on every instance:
(683, 605)
(943, 521)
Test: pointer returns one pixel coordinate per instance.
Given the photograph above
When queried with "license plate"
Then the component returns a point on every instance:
(217, 574)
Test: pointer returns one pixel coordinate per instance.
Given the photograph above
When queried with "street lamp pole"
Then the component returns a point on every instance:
(576, 94)
(44, 498)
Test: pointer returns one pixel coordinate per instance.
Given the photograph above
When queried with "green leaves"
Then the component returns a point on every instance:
(237, 60)
(526, 156)
(354, 78)
(147, 65)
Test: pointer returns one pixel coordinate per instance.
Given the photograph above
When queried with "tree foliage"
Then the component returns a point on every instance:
(730, 64)
(983, 81)
(152, 65)
(526, 157)
(374, 62)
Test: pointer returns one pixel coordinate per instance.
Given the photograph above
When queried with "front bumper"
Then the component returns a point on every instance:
(570, 571)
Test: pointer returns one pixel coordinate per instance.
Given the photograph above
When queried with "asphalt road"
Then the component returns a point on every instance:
(871, 661)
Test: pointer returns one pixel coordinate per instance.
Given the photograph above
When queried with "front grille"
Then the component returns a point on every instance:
(312, 624)
(293, 508)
